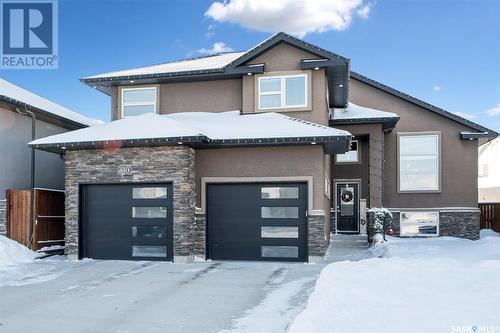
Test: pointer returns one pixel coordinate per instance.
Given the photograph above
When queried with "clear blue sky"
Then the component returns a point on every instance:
(444, 52)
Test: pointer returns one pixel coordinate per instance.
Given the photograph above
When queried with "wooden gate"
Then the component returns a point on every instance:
(48, 210)
(490, 216)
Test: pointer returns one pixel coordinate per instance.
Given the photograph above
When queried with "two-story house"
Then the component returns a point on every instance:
(251, 155)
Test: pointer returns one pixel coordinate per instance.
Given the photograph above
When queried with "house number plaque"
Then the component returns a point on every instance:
(123, 170)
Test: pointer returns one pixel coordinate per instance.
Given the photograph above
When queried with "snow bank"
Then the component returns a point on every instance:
(423, 285)
(12, 253)
(488, 233)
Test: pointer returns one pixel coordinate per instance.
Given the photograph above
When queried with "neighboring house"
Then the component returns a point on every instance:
(489, 171)
(179, 173)
(16, 132)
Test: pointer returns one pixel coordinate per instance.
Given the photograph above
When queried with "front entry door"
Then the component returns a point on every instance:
(347, 208)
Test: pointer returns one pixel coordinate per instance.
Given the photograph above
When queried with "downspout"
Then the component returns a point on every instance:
(27, 112)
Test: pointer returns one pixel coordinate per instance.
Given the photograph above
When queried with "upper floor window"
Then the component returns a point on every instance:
(419, 162)
(279, 92)
(136, 101)
(352, 156)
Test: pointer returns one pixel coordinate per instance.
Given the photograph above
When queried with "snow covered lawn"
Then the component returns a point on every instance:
(415, 285)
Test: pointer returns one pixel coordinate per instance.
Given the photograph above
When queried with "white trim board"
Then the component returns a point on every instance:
(207, 180)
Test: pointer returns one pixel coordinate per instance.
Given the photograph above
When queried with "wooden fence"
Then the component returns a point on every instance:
(490, 216)
(48, 212)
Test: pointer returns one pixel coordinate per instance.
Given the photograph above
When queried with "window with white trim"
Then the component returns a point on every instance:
(419, 224)
(279, 92)
(136, 101)
(352, 156)
(419, 162)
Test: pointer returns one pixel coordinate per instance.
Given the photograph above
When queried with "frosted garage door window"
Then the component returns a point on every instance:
(419, 162)
(279, 232)
(149, 212)
(279, 212)
(279, 192)
(150, 231)
(149, 251)
(279, 251)
(149, 193)
(422, 224)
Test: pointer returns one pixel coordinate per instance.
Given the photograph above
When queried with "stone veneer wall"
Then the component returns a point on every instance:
(456, 224)
(318, 232)
(147, 164)
(3, 217)
(200, 235)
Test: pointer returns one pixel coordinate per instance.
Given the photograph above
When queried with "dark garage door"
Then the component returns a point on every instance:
(131, 222)
(257, 221)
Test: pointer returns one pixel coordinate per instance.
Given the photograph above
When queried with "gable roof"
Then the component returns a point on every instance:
(198, 129)
(355, 114)
(228, 65)
(422, 104)
(42, 107)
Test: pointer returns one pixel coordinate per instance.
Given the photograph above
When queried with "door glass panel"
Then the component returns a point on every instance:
(149, 251)
(279, 232)
(279, 212)
(153, 231)
(279, 192)
(149, 212)
(279, 251)
(347, 201)
(149, 193)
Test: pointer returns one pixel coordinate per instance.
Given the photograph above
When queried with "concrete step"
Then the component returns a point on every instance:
(359, 241)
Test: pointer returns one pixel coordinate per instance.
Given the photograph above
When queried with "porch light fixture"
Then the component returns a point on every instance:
(316, 68)
(63, 147)
(132, 81)
(340, 85)
(313, 143)
(249, 74)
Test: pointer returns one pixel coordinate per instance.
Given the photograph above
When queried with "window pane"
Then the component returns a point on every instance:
(419, 145)
(154, 231)
(149, 251)
(295, 93)
(139, 96)
(350, 156)
(418, 164)
(149, 193)
(271, 84)
(279, 251)
(135, 110)
(421, 182)
(279, 192)
(279, 232)
(149, 212)
(270, 101)
(419, 223)
(279, 212)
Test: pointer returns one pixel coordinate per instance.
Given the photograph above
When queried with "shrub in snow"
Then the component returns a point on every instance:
(379, 222)
(11, 252)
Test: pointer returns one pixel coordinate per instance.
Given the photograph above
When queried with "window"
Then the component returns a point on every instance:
(136, 101)
(149, 212)
(277, 92)
(149, 193)
(279, 212)
(279, 232)
(279, 251)
(352, 156)
(149, 251)
(419, 224)
(152, 231)
(419, 162)
(279, 192)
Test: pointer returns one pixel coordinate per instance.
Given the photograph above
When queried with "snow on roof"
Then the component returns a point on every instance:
(353, 111)
(19, 94)
(202, 63)
(213, 126)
